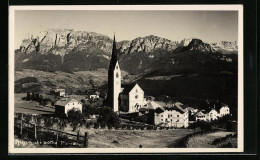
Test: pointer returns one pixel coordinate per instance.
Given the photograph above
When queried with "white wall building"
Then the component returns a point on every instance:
(174, 116)
(132, 97)
(60, 92)
(64, 105)
(224, 110)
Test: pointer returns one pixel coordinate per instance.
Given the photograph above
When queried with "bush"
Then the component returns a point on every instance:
(109, 117)
(202, 125)
(76, 118)
(87, 110)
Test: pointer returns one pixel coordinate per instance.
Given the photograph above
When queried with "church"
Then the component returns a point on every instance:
(130, 97)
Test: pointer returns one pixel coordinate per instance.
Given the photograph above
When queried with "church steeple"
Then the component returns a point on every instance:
(114, 80)
(114, 51)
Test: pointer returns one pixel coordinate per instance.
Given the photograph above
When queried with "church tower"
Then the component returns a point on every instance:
(114, 80)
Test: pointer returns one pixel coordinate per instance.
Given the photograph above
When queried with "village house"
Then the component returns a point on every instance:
(66, 104)
(60, 92)
(224, 110)
(213, 113)
(94, 97)
(201, 116)
(174, 116)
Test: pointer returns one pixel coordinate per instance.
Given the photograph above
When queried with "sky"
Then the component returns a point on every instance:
(209, 26)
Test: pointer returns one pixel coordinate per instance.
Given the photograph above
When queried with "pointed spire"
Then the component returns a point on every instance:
(114, 52)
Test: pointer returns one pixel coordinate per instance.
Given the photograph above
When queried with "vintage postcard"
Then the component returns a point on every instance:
(126, 79)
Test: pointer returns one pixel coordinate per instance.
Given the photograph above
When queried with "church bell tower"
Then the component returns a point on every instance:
(114, 80)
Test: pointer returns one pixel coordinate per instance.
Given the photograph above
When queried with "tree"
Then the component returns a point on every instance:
(40, 99)
(83, 101)
(108, 116)
(75, 118)
(28, 97)
(88, 110)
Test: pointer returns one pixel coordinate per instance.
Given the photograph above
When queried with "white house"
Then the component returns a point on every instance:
(212, 115)
(201, 116)
(94, 96)
(64, 105)
(224, 110)
(174, 116)
(60, 92)
(132, 97)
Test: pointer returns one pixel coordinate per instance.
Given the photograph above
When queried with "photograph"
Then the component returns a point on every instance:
(125, 79)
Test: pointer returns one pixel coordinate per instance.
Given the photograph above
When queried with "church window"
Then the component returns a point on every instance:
(116, 67)
(136, 90)
(117, 75)
(136, 96)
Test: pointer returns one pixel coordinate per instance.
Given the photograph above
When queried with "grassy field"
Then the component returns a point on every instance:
(205, 140)
(102, 138)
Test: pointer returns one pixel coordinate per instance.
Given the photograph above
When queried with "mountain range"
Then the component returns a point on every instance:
(71, 50)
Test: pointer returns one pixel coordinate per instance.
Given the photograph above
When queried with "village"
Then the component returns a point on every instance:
(122, 107)
(166, 114)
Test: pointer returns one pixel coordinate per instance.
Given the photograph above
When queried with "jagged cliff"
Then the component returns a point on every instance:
(61, 42)
(72, 50)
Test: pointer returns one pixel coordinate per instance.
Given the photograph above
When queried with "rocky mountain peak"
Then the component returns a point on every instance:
(197, 44)
(225, 45)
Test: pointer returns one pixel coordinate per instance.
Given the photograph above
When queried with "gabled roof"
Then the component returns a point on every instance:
(63, 102)
(153, 105)
(200, 113)
(59, 90)
(159, 110)
(129, 88)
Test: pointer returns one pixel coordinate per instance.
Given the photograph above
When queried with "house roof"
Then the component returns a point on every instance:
(59, 90)
(202, 112)
(63, 102)
(164, 104)
(153, 105)
(159, 110)
(128, 88)
(178, 107)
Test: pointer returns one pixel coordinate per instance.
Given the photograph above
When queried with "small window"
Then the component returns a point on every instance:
(161, 115)
(73, 103)
(177, 115)
(162, 120)
(117, 74)
(136, 90)
(136, 96)
(116, 67)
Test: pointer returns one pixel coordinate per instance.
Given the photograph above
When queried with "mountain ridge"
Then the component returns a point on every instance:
(61, 41)
(72, 50)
